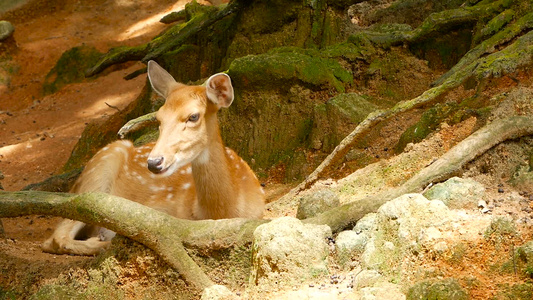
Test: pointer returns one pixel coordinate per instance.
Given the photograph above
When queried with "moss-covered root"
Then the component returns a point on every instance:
(451, 162)
(117, 56)
(439, 22)
(510, 32)
(508, 60)
(198, 20)
(140, 223)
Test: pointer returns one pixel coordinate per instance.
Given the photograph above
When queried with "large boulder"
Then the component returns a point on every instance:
(287, 251)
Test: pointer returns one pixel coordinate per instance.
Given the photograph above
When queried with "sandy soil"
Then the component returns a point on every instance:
(37, 134)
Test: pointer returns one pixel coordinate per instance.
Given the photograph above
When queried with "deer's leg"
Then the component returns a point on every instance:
(75, 237)
(78, 238)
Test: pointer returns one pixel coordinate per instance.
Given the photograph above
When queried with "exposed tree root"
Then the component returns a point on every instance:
(137, 124)
(508, 60)
(171, 39)
(167, 235)
(442, 169)
(489, 45)
(439, 22)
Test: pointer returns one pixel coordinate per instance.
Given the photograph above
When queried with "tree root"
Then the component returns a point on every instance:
(168, 236)
(137, 124)
(490, 44)
(158, 231)
(171, 39)
(442, 169)
(438, 22)
(508, 60)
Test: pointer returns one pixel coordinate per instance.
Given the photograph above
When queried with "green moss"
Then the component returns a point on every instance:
(70, 68)
(429, 121)
(497, 23)
(283, 66)
(7, 294)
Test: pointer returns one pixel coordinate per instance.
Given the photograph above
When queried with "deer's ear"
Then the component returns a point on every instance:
(162, 82)
(219, 89)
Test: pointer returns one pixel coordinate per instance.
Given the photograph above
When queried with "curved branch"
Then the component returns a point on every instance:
(137, 124)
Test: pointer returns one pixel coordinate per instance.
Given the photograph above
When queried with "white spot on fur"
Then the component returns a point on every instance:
(170, 196)
(188, 170)
(244, 178)
(154, 188)
(141, 179)
(186, 186)
(237, 166)
(105, 148)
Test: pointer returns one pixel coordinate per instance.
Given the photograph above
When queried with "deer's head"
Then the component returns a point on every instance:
(187, 119)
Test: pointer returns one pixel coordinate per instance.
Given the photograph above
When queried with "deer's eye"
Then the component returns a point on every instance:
(194, 117)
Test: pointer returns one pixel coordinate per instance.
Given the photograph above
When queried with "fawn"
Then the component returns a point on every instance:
(187, 172)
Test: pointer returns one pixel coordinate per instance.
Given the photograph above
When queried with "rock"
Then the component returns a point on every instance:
(457, 193)
(437, 289)
(366, 278)
(350, 241)
(401, 227)
(366, 224)
(6, 30)
(317, 202)
(217, 292)
(286, 251)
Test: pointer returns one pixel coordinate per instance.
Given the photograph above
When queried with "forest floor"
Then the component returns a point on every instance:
(37, 134)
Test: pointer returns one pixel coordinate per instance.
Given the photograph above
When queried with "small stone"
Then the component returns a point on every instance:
(500, 190)
(6, 30)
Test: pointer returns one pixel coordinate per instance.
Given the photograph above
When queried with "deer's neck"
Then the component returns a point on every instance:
(215, 190)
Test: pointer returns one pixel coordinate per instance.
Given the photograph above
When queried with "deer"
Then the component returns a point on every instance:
(187, 173)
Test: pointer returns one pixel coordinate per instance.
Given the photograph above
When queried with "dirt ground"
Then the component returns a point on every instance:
(38, 133)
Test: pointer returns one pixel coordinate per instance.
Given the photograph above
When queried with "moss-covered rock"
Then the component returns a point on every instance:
(70, 68)
(284, 66)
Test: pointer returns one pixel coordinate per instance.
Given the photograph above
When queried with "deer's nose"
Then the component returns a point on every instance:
(155, 164)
